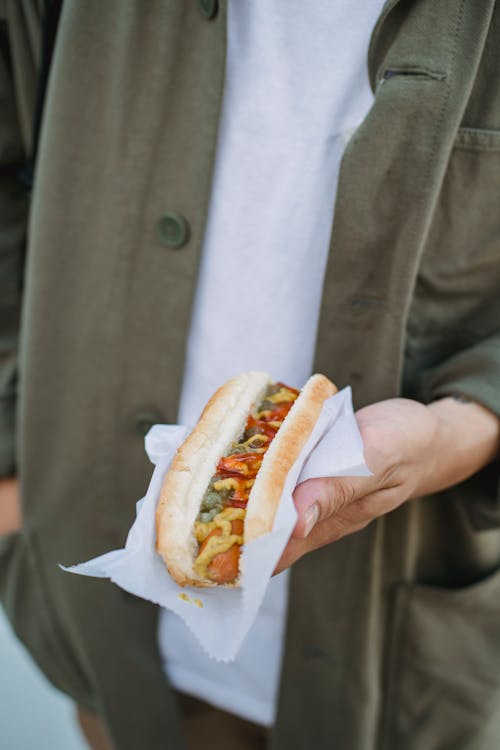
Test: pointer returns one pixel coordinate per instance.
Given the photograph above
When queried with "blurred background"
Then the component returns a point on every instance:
(33, 714)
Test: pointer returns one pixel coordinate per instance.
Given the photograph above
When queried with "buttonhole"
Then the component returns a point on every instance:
(413, 73)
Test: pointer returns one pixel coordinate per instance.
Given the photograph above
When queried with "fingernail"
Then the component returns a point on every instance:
(310, 518)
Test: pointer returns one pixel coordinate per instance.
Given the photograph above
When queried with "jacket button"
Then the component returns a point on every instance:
(173, 230)
(144, 420)
(208, 8)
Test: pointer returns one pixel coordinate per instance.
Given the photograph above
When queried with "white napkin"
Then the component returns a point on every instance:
(219, 617)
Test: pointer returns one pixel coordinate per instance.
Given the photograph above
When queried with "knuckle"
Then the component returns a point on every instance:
(384, 453)
(341, 497)
(389, 476)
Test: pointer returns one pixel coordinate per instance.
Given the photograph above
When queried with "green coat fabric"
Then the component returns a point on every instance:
(393, 637)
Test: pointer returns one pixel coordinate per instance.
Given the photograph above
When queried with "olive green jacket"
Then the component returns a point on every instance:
(393, 637)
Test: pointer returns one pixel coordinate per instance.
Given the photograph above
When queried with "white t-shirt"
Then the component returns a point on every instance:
(296, 88)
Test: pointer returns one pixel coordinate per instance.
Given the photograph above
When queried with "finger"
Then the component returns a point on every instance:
(293, 551)
(322, 498)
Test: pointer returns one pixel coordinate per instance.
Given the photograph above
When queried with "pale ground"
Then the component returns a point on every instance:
(33, 714)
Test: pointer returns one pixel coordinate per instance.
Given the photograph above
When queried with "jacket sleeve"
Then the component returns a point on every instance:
(473, 372)
(461, 308)
(13, 218)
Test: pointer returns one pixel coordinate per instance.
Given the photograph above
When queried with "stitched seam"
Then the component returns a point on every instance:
(477, 139)
(477, 147)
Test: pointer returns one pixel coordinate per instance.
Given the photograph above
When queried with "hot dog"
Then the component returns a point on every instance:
(226, 480)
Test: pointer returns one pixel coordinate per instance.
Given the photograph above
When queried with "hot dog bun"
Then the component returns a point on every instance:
(221, 424)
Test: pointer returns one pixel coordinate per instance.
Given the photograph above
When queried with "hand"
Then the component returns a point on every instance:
(411, 449)
(10, 506)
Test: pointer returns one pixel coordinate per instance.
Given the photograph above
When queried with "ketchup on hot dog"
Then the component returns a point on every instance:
(219, 527)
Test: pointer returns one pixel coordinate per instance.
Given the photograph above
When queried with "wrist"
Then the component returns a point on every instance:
(467, 439)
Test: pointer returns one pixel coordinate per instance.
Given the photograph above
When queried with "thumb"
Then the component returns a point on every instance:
(318, 499)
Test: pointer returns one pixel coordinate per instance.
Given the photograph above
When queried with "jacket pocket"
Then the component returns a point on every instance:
(444, 668)
(478, 139)
(458, 281)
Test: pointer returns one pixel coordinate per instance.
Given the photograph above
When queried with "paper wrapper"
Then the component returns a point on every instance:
(219, 617)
